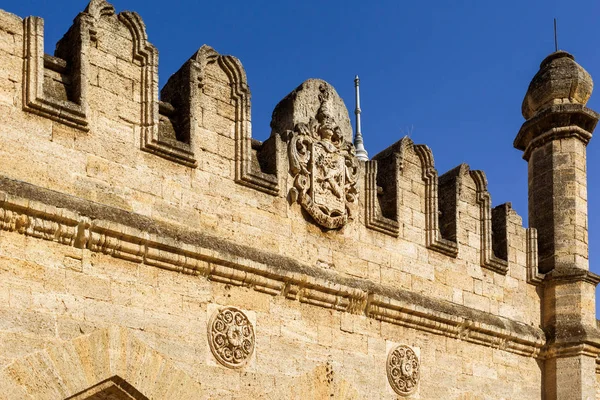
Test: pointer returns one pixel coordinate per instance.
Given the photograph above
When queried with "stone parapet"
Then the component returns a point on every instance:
(130, 212)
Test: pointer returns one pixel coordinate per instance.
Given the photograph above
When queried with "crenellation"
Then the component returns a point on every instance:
(489, 259)
(381, 186)
(54, 86)
(57, 82)
(434, 239)
(500, 231)
(215, 71)
(450, 187)
(178, 108)
(410, 199)
(127, 221)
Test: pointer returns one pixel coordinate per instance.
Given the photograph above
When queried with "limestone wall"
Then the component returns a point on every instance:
(56, 292)
(120, 210)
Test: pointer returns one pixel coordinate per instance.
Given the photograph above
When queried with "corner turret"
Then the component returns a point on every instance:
(554, 139)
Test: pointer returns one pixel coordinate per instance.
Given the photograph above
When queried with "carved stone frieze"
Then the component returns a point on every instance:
(231, 337)
(203, 256)
(403, 370)
(34, 219)
(324, 167)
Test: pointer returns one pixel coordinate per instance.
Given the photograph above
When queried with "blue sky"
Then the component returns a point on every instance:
(451, 74)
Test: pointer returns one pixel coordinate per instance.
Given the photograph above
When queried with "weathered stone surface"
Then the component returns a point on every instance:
(554, 140)
(303, 103)
(324, 166)
(113, 260)
(560, 80)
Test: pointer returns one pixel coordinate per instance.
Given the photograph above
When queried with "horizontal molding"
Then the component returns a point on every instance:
(136, 238)
(488, 330)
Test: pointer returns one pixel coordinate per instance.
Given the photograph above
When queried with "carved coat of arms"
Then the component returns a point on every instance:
(324, 167)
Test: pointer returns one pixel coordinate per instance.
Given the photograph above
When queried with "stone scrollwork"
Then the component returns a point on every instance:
(231, 337)
(403, 370)
(324, 167)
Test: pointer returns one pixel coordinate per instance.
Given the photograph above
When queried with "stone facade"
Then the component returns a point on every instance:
(151, 249)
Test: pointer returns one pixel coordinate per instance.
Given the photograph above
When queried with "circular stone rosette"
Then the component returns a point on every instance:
(231, 337)
(403, 370)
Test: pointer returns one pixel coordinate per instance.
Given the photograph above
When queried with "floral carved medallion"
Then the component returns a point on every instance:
(403, 370)
(324, 167)
(231, 337)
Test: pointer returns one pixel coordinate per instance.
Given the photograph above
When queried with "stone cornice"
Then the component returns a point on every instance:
(43, 213)
(560, 275)
(572, 339)
(556, 122)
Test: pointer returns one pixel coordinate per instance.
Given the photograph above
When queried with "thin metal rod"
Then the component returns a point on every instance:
(357, 110)
(555, 37)
(361, 152)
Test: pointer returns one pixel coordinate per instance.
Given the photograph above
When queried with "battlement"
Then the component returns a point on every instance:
(188, 158)
(95, 160)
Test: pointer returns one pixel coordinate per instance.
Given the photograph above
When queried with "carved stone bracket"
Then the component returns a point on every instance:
(38, 220)
(324, 168)
(449, 323)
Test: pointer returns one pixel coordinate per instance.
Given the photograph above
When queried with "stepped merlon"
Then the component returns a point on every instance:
(146, 228)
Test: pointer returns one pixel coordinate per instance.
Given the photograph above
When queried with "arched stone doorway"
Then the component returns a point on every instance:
(109, 364)
(114, 388)
(114, 364)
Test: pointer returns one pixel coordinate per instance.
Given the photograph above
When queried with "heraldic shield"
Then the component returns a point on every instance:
(324, 167)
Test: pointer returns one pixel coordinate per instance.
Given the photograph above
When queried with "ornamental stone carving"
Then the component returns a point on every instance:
(324, 167)
(403, 370)
(231, 337)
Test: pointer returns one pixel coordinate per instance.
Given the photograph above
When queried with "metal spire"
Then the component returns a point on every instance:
(361, 153)
(555, 37)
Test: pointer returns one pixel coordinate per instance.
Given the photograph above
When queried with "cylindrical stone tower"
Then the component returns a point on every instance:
(554, 140)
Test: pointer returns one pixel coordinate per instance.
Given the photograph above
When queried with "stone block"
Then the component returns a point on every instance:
(81, 284)
(337, 294)
(477, 302)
